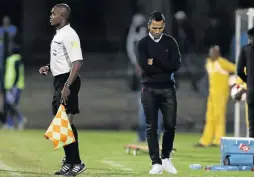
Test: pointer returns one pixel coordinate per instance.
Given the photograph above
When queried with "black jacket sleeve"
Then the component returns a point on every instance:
(241, 64)
(143, 59)
(173, 62)
(175, 57)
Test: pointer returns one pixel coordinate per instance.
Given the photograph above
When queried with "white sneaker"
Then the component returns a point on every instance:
(168, 166)
(156, 169)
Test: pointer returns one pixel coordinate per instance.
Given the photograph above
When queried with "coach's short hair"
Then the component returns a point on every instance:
(157, 16)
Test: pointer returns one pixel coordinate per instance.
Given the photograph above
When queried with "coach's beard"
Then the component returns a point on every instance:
(157, 36)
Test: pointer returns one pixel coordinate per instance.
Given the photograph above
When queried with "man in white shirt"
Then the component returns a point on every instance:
(65, 62)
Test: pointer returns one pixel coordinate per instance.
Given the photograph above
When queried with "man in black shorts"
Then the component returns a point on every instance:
(65, 62)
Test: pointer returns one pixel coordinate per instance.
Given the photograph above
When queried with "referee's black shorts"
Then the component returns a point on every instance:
(72, 105)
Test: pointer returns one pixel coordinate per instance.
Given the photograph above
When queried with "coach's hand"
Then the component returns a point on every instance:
(150, 61)
(64, 94)
(44, 70)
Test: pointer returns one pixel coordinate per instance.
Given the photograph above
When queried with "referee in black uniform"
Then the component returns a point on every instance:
(246, 59)
(159, 58)
(65, 62)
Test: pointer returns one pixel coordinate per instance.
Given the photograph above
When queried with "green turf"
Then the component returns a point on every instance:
(32, 156)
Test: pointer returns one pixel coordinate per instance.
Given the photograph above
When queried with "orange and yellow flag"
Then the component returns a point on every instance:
(60, 131)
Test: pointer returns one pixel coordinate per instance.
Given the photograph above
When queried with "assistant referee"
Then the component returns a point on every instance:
(65, 62)
(159, 58)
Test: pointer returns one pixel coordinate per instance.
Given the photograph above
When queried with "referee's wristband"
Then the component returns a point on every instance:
(67, 85)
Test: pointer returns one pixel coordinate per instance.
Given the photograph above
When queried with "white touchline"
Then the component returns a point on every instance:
(10, 170)
(116, 164)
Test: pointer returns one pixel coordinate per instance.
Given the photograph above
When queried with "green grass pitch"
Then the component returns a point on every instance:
(29, 154)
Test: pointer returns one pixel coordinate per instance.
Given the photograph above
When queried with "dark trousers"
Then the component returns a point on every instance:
(3, 114)
(251, 119)
(72, 105)
(164, 99)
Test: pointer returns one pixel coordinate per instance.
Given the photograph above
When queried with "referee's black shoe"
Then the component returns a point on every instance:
(65, 168)
(76, 169)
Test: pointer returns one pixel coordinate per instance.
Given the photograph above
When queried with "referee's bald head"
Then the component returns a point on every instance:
(65, 10)
(60, 15)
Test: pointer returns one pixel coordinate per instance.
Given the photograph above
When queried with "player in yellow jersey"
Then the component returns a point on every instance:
(218, 69)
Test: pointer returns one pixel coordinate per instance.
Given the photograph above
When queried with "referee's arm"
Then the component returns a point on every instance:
(74, 52)
(143, 59)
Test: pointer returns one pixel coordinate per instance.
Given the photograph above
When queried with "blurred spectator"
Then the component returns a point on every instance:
(183, 32)
(7, 35)
(11, 30)
(218, 32)
(218, 69)
(138, 29)
(14, 85)
(212, 32)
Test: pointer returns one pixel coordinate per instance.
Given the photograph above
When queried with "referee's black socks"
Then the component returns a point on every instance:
(72, 150)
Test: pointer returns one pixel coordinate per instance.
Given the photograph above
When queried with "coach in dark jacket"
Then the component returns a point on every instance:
(246, 59)
(159, 59)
